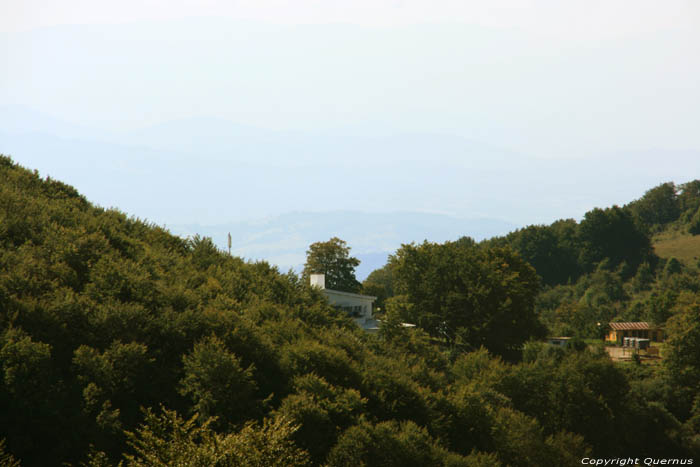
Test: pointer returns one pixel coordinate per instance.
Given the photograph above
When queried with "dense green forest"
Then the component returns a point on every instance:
(121, 343)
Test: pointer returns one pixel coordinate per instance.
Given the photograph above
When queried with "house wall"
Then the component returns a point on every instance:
(359, 307)
(655, 335)
(351, 304)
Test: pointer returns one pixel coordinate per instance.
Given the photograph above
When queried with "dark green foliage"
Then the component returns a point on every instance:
(311, 356)
(217, 383)
(643, 279)
(658, 206)
(7, 459)
(479, 296)
(333, 259)
(572, 393)
(392, 391)
(694, 223)
(166, 439)
(586, 390)
(673, 266)
(669, 205)
(471, 419)
(612, 234)
(102, 315)
(564, 250)
(689, 197)
(551, 250)
(683, 331)
(693, 423)
(26, 365)
(111, 381)
(602, 287)
(380, 284)
(29, 396)
(388, 444)
(321, 411)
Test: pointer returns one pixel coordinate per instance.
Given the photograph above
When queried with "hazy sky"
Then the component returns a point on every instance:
(575, 80)
(573, 19)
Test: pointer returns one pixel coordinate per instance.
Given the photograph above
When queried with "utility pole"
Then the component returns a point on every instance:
(229, 243)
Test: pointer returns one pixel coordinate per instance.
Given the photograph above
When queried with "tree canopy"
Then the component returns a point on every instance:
(380, 284)
(659, 205)
(333, 259)
(474, 296)
(121, 344)
(612, 234)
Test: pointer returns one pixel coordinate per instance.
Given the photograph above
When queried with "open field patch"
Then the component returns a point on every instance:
(682, 246)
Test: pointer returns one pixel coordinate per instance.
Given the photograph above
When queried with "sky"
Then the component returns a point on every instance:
(524, 111)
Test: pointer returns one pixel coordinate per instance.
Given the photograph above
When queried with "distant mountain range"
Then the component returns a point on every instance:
(373, 187)
(283, 240)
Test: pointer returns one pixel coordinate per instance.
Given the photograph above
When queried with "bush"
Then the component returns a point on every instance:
(694, 227)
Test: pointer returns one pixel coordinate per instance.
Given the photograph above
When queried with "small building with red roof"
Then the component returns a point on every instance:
(618, 331)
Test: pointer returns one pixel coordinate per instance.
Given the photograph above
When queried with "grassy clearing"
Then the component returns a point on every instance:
(683, 246)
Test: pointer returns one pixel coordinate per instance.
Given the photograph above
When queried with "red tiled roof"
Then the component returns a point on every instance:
(631, 326)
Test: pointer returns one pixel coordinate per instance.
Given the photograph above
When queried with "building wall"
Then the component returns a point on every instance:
(655, 335)
(360, 308)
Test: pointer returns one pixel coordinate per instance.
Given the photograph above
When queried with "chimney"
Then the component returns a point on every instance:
(318, 280)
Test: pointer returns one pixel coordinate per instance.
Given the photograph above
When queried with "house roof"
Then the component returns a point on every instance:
(633, 326)
(349, 294)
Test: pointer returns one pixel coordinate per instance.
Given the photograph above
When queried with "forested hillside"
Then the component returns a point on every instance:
(639, 262)
(120, 342)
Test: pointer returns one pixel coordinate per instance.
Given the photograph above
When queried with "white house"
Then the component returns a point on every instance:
(359, 307)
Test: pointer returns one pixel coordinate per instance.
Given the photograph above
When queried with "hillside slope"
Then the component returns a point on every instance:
(122, 342)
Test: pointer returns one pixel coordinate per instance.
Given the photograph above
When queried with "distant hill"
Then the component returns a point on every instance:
(283, 240)
(212, 171)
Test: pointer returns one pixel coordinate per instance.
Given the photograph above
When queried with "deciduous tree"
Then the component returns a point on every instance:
(333, 259)
(481, 297)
